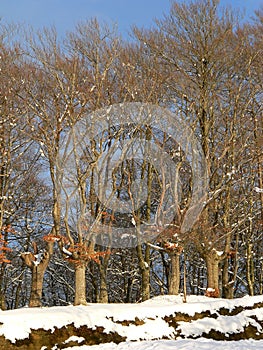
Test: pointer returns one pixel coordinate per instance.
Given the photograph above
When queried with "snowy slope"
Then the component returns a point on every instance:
(152, 320)
(185, 344)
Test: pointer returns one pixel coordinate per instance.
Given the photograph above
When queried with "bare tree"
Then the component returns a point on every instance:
(203, 53)
(53, 103)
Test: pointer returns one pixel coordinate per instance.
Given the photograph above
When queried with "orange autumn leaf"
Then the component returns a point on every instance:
(3, 244)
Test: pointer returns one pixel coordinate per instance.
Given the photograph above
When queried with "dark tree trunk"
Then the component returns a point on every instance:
(227, 286)
(103, 294)
(144, 264)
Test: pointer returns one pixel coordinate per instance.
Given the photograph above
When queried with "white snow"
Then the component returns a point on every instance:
(38, 258)
(219, 253)
(133, 221)
(258, 190)
(67, 252)
(75, 339)
(223, 324)
(181, 344)
(17, 324)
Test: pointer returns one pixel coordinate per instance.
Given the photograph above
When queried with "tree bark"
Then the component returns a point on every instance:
(174, 275)
(250, 269)
(38, 272)
(38, 268)
(144, 262)
(103, 294)
(80, 285)
(145, 283)
(227, 287)
(212, 265)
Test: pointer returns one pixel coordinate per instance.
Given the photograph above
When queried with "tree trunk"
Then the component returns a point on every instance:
(38, 272)
(250, 269)
(145, 283)
(212, 263)
(93, 293)
(144, 261)
(2, 294)
(174, 275)
(38, 263)
(103, 294)
(227, 286)
(80, 285)
(261, 278)
(2, 300)
(128, 289)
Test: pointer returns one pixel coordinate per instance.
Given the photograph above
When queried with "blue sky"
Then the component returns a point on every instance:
(64, 14)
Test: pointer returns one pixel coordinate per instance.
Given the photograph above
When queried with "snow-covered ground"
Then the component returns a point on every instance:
(17, 324)
(184, 344)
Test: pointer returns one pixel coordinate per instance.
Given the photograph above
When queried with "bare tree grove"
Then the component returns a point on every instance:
(200, 61)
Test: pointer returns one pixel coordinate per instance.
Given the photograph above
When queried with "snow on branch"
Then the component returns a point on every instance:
(258, 190)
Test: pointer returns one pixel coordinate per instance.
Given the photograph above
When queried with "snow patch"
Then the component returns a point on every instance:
(75, 339)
